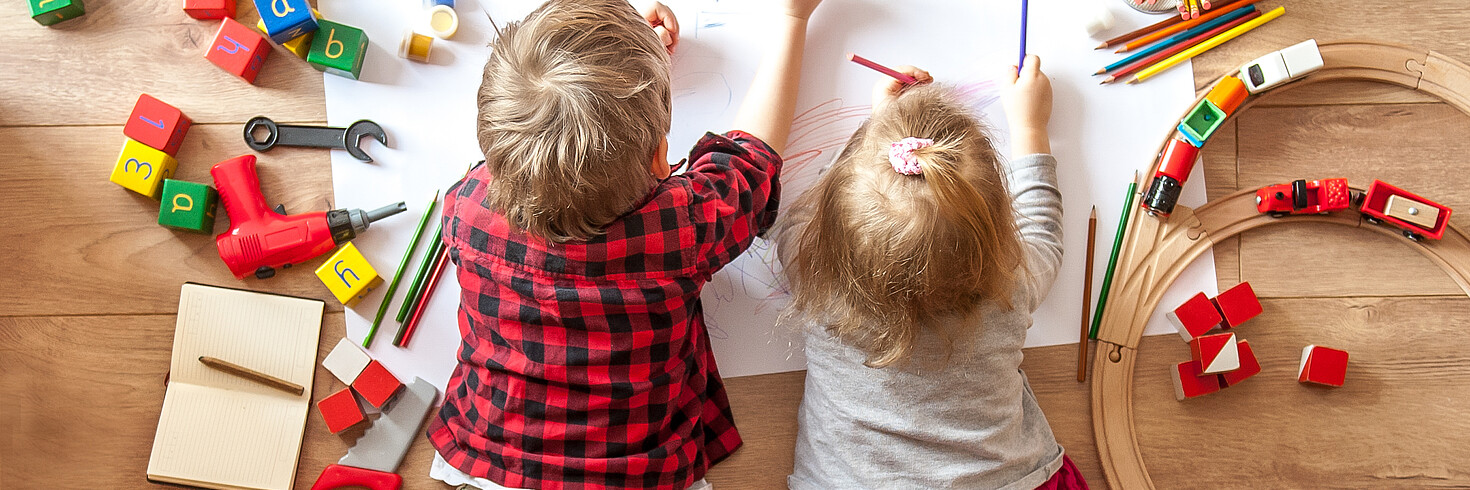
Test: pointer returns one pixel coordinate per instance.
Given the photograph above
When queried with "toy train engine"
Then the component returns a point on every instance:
(1303, 197)
(1175, 164)
(1419, 218)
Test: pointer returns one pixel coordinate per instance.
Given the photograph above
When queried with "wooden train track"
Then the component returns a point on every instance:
(1156, 250)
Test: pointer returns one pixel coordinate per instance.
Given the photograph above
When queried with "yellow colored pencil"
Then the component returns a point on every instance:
(1207, 45)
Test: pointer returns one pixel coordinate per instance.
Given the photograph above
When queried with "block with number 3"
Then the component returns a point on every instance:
(141, 169)
(157, 124)
(238, 49)
(338, 49)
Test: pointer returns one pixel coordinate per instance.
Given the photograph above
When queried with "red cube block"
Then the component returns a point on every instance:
(1190, 382)
(238, 50)
(1215, 353)
(158, 125)
(376, 384)
(1238, 304)
(209, 9)
(1322, 365)
(1249, 366)
(340, 410)
(1195, 317)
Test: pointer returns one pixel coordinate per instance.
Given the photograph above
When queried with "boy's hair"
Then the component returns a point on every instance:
(885, 254)
(574, 104)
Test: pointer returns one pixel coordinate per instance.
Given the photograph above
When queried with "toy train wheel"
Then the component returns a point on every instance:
(1372, 220)
(1356, 198)
(1276, 214)
(1413, 236)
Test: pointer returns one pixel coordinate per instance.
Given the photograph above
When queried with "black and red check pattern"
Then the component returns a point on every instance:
(587, 364)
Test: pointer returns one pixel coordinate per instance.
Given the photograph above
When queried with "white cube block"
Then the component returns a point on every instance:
(346, 361)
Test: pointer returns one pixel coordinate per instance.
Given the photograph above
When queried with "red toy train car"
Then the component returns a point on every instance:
(1419, 218)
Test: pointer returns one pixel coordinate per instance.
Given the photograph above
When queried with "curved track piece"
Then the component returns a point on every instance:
(1155, 251)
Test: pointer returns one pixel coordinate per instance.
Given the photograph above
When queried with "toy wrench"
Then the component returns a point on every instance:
(372, 461)
(349, 138)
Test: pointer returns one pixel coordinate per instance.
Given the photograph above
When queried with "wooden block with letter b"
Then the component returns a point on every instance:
(209, 9)
(338, 49)
(157, 124)
(50, 12)
(349, 275)
(141, 169)
(187, 206)
(238, 49)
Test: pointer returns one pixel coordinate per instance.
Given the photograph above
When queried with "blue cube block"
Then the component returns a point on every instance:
(286, 19)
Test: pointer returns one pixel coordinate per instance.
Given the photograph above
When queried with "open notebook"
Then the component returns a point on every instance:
(218, 430)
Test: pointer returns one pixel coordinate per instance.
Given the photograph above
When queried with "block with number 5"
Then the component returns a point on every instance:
(238, 49)
(157, 124)
(338, 49)
(142, 169)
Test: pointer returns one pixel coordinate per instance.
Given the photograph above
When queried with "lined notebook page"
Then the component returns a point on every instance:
(219, 430)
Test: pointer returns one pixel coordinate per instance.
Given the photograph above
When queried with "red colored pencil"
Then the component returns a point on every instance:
(1140, 32)
(418, 312)
(1160, 56)
(907, 80)
(1183, 26)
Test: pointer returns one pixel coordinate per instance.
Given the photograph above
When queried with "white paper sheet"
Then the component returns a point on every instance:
(1100, 134)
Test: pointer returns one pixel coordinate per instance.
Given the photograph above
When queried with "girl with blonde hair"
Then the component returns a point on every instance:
(914, 265)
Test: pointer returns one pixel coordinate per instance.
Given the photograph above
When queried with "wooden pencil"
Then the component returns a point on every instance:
(1209, 44)
(1086, 297)
(1139, 33)
(1102, 295)
(1022, 59)
(907, 80)
(413, 243)
(406, 332)
(253, 375)
(1183, 26)
(1177, 39)
(418, 277)
(1172, 50)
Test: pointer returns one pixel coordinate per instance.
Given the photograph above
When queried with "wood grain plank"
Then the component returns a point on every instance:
(765, 410)
(1399, 420)
(1415, 146)
(90, 70)
(79, 244)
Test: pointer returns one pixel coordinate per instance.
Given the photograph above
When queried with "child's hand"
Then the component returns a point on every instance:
(664, 24)
(887, 88)
(801, 9)
(1028, 108)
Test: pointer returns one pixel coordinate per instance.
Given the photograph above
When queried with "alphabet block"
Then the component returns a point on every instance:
(209, 9)
(286, 19)
(346, 361)
(1215, 353)
(187, 206)
(376, 384)
(1238, 304)
(340, 410)
(1322, 365)
(142, 169)
(238, 49)
(50, 12)
(157, 124)
(338, 49)
(1249, 366)
(1189, 382)
(1195, 317)
(299, 46)
(349, 275)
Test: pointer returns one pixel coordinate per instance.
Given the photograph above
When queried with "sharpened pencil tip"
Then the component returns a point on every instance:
(1108, 80)
(1133, 81)
(1123, 49)
(1102, 46)
(1101, 71)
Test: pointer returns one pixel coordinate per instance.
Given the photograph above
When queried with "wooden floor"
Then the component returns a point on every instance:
(91, 284)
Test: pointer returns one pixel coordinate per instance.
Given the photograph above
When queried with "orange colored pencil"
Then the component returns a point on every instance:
(1183, 26)
(1139, 33)
(1160, 56)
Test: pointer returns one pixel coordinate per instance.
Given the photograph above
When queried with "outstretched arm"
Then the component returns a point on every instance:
(771, 102)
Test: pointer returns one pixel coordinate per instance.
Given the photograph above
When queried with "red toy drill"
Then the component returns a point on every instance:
(260, 240)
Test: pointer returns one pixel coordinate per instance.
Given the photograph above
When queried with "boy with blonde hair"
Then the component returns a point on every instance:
(585, 360)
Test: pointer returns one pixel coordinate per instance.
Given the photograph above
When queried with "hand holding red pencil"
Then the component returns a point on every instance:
(887, 88)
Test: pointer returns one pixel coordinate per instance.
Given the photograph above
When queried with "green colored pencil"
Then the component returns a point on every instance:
(418, 278)
(402, 267)
(1102, 296)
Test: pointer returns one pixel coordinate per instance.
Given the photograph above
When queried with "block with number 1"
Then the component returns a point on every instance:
(141, 169)
(157, 124)
(338, 49)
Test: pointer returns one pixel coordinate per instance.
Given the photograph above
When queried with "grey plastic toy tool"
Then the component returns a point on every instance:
(349, 138)
(383, 445)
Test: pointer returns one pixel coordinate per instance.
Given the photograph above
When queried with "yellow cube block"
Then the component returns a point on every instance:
(349, 275)
(299, 46)
(141, 169)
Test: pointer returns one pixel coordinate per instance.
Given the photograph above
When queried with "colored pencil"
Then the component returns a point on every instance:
(440, 263)
(402, 267)
(1207, 45)
(253, 375)
(418, 277)
(1178, 38)
(1086, 296)
(1022, 59)
(907, 80)
(1183, 26)
(1102, 295)
(1194, 9)
(1155, 58)
(1139, 33)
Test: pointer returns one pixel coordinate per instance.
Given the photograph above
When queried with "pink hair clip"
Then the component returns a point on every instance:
(901, 155)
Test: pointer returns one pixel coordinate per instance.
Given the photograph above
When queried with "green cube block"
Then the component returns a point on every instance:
(49, 12)
(1202, 122)
(187, 206)
(338, 49)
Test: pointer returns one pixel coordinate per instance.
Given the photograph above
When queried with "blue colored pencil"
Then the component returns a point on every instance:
(1179, 38)
(1023, 37)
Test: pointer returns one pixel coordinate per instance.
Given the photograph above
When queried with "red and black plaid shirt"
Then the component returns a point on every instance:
(587, 364)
